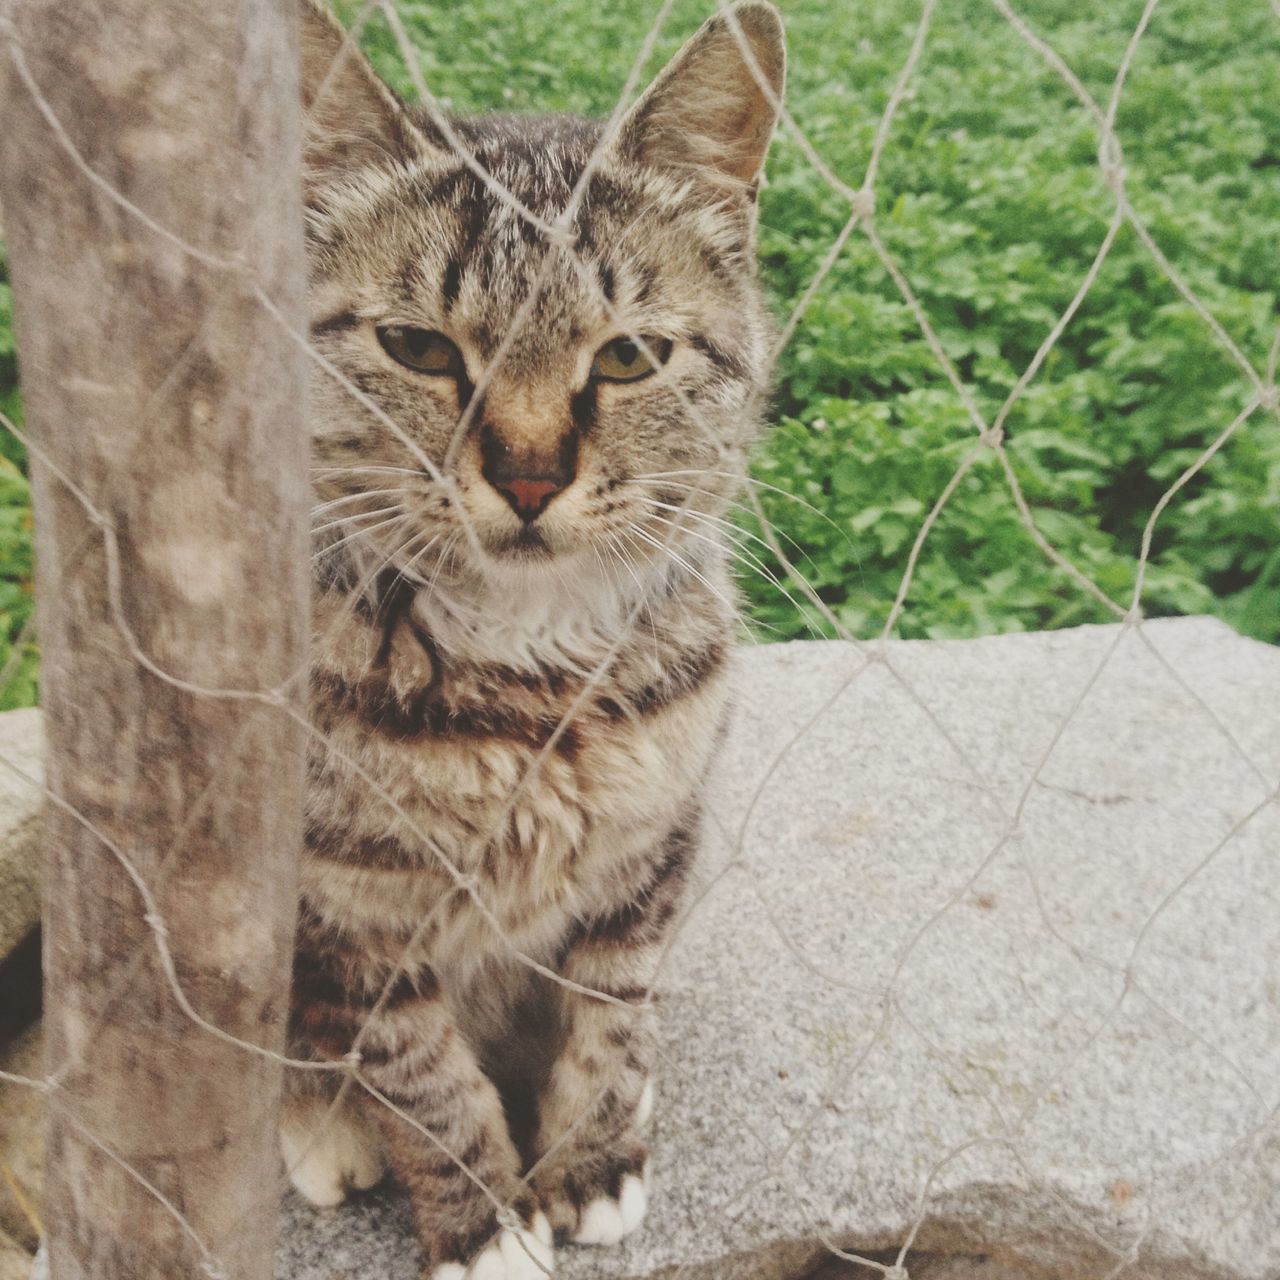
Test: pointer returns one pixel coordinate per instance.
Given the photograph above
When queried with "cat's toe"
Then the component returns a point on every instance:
(512, 1255)
(608, 1218)
(598, 1199)
(328, 1155)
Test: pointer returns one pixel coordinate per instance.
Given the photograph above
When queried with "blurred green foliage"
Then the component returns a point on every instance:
(18, 657)
(990, 199)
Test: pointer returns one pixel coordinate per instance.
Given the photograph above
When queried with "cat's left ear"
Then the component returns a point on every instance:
(712, 111)
(353, 120)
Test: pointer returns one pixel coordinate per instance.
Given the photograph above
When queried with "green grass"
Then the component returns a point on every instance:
(990, 200)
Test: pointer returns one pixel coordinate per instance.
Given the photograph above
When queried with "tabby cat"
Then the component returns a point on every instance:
(522, 614)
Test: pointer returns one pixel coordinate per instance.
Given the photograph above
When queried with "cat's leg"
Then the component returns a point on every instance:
(593, 1172)
(439, 1116)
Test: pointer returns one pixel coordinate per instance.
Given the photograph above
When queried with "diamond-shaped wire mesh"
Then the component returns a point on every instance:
(1115, 983)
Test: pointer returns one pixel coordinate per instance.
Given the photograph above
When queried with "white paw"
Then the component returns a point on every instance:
(327, 1156)
(606, 1220)
(514, 1255)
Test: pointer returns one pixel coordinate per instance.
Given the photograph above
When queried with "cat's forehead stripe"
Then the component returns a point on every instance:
(451, 283)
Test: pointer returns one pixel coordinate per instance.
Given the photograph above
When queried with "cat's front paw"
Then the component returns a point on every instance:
(511, 1255)
(607, 1218)
(599, 1201)
(328, 1152)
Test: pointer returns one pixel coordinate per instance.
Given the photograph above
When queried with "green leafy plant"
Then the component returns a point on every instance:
(18, 657)
(991, 201)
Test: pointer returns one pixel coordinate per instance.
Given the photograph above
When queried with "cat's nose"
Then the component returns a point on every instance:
(528, 495)
(528, 478)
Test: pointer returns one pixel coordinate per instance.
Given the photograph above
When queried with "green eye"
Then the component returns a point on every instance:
(622, 360)
(422, 350)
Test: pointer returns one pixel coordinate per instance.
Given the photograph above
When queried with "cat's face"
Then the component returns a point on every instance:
(525, 403)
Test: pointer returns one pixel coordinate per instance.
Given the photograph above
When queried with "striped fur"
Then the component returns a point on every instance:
(516, 717)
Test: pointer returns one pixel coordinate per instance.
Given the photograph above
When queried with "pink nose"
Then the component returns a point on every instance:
(528, 496)
(528, 474)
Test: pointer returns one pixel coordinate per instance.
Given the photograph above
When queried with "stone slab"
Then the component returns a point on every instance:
(21, 751)
(985, 959)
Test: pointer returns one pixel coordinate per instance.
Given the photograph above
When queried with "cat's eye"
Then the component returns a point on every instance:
(622, 360)
(422, 350)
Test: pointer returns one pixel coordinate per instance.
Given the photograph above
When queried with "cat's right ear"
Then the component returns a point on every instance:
(711, 113)
(352, 119)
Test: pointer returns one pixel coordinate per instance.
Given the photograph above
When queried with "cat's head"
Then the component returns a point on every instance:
(512, 386)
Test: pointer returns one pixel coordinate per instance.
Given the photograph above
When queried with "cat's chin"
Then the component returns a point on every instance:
(529, 543)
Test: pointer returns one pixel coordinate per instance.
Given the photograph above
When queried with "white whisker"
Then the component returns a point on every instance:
(726, 527)
(331, 547)
(742, 479)
(388, 559)
(378, 469)
(330, 504)
(749, 561)
(684, 564)
(640, 586)
(356, 515)
(746, 510)
(446, 552)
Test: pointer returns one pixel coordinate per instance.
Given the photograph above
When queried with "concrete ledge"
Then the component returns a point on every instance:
(21, 748)
(1054, 1041)
(1050, 1048)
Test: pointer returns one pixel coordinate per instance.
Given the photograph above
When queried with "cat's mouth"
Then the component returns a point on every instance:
(528, 543)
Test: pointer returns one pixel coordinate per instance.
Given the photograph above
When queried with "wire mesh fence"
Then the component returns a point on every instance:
(757, 547)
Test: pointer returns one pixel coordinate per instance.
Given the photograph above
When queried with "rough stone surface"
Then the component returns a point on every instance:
(21, 746)
(1049, 1047)
(964, 973)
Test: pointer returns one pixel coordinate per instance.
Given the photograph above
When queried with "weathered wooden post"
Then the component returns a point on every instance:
(158, 382)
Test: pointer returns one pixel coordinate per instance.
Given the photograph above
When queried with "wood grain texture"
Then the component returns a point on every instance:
(160, 383)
